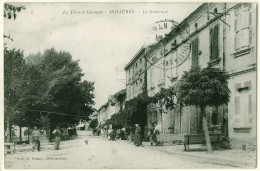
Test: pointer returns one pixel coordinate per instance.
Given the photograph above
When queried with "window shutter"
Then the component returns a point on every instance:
(211, 43)
(250, 104)
(235, 29)
(195, 49)
(250, 17)
(215, 41)
(250, 36)
(237, 105)
(250, 28)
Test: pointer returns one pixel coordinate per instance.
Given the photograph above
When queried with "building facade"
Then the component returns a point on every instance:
(220, 35)
(241, 60)
(135, 75)
(114, 104)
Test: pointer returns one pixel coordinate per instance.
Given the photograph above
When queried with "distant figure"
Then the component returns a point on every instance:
(122, 134)
(109, 133)
(57, 134)
(155, 130)
(137, 140)
(36, 138)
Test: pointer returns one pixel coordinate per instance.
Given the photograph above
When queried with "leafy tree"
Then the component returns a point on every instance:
(13, 89)
(64, 91)
(204, 87)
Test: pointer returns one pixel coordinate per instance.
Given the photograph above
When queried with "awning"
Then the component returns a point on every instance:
(81, 125)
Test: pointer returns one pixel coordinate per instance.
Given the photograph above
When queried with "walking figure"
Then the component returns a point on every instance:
(36, 139)
(57, 134)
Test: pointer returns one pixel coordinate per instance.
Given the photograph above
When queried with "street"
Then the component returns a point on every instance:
(99, 154)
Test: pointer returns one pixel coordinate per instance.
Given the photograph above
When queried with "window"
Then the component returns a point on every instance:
(140, 60)
(243, 27)
(214, 44)
(135, 65)
(243, 107)
(196, 26)
(215, 10)
(151, 76)
(195, 52)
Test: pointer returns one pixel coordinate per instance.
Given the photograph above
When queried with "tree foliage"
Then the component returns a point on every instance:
(11, 10)
(93, 124)
(46, 82)
(202, 87)
(165, 96)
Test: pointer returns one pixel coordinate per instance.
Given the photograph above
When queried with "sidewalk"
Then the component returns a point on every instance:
(233, 157)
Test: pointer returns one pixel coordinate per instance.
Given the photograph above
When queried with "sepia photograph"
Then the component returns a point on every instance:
(129, 85)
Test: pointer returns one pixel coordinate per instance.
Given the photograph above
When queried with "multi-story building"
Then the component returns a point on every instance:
(216, 34)
(241, 47)
(135, 75)
(114, 104)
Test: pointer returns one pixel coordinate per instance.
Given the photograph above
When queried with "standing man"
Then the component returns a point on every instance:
(57, 134)
(138, 141)
(36, 138)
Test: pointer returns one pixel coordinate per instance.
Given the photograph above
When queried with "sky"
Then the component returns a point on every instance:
(102, 40)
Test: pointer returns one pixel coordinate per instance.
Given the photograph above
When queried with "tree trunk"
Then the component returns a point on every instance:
(8, 129)
(20, 133)
(205, 129)
(180, 117)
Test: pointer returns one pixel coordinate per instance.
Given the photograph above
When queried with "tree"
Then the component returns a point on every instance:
(204, 87)
(64, 91)
(13, 89)
(10, 100)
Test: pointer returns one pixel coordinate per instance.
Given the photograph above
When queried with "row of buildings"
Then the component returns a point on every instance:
(221, 35)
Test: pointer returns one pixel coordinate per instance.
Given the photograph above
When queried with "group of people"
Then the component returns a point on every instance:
(152, 135)
(36, 138)
(134, 134)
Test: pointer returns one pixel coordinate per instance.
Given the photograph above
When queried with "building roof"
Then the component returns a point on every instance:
(185, 22)
(137, 55)
(121, 92)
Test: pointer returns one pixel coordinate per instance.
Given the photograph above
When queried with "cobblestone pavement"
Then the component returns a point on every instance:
(100, 153)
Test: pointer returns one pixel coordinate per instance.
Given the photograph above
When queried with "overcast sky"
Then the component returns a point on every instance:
(102, 42)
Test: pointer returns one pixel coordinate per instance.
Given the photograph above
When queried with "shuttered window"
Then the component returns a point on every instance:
(250, 104)
(243, 27)
(195, 52)
(237, 105)
(214, 42)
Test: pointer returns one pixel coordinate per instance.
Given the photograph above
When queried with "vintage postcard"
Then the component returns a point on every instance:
(129, 85)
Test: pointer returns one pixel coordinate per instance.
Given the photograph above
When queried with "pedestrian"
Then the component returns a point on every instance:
(57, 134)
(137, 140)
(155, 131)
(36, 138)
(109, 133)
